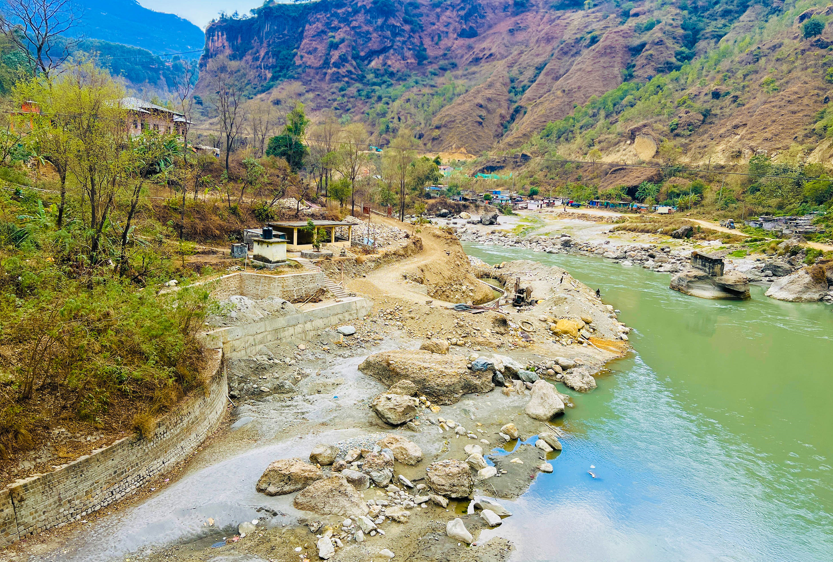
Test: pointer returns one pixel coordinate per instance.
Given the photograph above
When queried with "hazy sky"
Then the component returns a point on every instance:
(200, 11)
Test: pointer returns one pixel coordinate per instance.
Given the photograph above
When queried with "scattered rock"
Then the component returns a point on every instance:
(379, 467)
(395, 409)
(287, 476)
(510, 430)
(541, 444)
(331, 496)
(545, 402)
(490, 517)
(326, 550)
(246, 528)
(346, 330)
(386, 553)
(439, 500)
(324, 455)
(483, 503)
(527, 376)
(456, 530)
(486, 473)
(397, 513)
(450, 478)
(579, 380)
(476, 462)
(435, 346)
(545, 467)
(404, 450)
(550, 439)
(358, 480)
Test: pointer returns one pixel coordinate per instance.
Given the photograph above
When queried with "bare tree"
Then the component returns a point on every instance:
(352, 143)
(228, 81)
(397, 158)
(34, 26)
(263, 121)
(184, 84)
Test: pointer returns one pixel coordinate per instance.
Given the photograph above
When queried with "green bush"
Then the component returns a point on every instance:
(812, 27)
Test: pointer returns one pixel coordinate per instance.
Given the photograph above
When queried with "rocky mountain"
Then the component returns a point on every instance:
(725, 77)
(126, 22)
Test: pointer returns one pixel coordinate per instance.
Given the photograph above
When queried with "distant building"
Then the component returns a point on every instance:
(146, 116)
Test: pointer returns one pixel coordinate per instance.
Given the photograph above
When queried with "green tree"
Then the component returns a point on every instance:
(289, 145)
(812, 27)
(350, 156)
(647, 190)
(341, 190)
(533, 191)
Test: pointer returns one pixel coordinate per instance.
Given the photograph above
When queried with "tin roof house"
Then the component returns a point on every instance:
(149, 116)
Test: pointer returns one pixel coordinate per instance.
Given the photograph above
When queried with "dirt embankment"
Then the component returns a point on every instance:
(440, 271)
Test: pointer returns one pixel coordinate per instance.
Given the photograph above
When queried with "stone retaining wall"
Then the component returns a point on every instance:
(243, 341)
(105, 476)
(295, 287)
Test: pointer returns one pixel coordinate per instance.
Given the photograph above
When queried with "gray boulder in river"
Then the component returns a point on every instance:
(805, 285)
(732, 285)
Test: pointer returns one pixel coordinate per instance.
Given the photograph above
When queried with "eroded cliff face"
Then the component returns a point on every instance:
(522, 63)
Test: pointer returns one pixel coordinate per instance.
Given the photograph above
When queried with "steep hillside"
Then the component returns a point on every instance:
(549, 76)
(128, 23)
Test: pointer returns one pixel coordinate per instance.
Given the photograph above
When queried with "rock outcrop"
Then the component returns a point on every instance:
(444, 379)
(287, 476)
(801, 286)
(331, 496)
(435, 346)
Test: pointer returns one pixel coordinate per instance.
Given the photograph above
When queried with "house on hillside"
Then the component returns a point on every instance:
(146, 116)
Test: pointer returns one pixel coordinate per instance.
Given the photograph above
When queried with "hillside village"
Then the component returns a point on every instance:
(313, 284)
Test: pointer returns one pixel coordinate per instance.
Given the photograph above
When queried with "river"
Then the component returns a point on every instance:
(712, 441)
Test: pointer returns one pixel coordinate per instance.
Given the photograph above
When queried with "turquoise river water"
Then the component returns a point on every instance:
(713, 440)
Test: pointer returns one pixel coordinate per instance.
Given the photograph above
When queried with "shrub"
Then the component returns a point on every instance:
(812, 27)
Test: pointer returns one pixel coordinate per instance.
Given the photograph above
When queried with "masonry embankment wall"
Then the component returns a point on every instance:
(295, 287)
(97, 480)
(243, 341)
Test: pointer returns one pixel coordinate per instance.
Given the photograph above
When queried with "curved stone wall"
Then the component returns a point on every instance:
(97, 480)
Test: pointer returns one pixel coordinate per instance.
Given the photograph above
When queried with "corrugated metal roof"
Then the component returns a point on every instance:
(135, 104)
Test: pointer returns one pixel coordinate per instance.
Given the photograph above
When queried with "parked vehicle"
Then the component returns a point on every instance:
(728, 224)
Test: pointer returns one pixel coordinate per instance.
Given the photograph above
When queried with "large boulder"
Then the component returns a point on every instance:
(732, 285)
(324, 455)
(488, 218)
(567, 327)
(777, 268)
(450, 478)
(683, 232)
(404, 450)
(805, 285)
(545, 402)
(395, 409)
(444, 379)
(331, 496)
(435, 346)
(287, 476)
(456, 530)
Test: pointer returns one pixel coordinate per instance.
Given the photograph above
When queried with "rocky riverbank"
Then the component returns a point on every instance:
(786, 273)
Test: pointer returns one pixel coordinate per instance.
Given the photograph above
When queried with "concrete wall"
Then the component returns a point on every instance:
(243, 341)
(295, 287)
(712, 266)
(97, 480)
